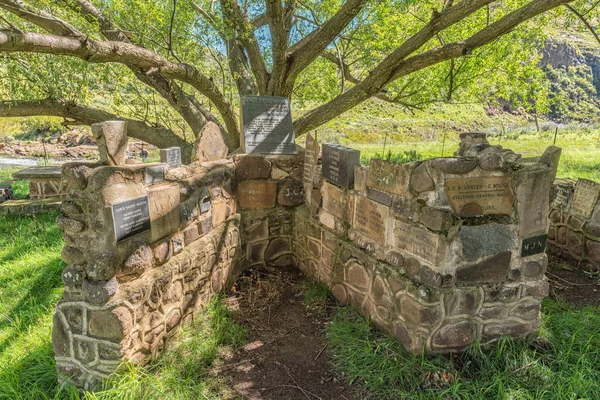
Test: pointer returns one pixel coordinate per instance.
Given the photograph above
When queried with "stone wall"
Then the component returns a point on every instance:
(124, 298)
(439, 253)
(574, 232)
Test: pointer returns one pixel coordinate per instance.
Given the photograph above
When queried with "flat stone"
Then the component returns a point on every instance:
(484, 240)
(435, 219)
(267, 125)
(420, 180)
(291, 193)
(380, 197)
(334, 201)
(420, 242)
(389, 176)
(39, 173)
(110, 325)
(493, 269)
(418, 314)
(171, 156)
(533, 195)
(257, 194)
(454, 336)
(585, 197)
(479, 195)
(99, 292)
(371, 219)
(165, 215)
(454, 165)
(210, 145)
(360, 178)
(252, 167)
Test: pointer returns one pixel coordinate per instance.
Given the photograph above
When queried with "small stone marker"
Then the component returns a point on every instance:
(338, 164)
(563, 194)
(257, 194)
(334, 201)
(111, 138)
(534, 245)
(380, 197)
(267, 123)
(311, 156)
(371, 219)
(154, 174)
(419, 242)
(171, 156)
(585, 197)
(131, 217)
(480, 196)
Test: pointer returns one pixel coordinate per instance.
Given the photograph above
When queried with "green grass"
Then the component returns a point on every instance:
(563, 363)
(20, 187)
(315, 293)
(30, 287)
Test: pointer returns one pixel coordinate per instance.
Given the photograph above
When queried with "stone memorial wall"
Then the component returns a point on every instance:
(574, 232)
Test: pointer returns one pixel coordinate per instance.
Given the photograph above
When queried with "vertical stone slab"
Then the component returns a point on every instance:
(389, 176)
(311, 156)
(371, 219)
(585, 197)
(267, 125)
(339, 163)
(532, 202)
(111, 138)
(257, 194)
(171, 156)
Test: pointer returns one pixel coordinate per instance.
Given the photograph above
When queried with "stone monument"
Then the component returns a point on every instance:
(267, 125)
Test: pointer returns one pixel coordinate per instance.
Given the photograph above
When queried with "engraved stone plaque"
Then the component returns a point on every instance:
(334, 201)
(131, 217)
(257, 194)
(585, 197)
(389, 176)
(338, 164)
(562, 196)
(371, 219)
(311, 156)
(534, 245)
(154, 174)
(480, 196)
(419, 242)
(267, 123)
(171, 156)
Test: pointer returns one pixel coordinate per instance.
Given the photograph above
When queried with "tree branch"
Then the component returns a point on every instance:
(394, 67)
(40, 18)
(158, 136)
(585, 21)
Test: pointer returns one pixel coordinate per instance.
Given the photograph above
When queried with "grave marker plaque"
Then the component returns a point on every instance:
(334, 201)
(480, 196)
(338, 164)
(131, 217)
(371, 219)
(257, 194)
(534, 245)
(562, 196)
(419, 242)
(267, 125)
(155, 174)
(311, 156)
(585, 197)
(171, 156)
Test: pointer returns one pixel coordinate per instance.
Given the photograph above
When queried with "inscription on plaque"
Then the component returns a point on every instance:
(334, 201)
(534, 245)
(171, 156)
(562, 196)
(338, 164)
(155, 174)
(419, 242)
(257, 194)
(371, 219)
(311, 156)
(267, 123)
(480, 196)
(131, 217)
(585, 197)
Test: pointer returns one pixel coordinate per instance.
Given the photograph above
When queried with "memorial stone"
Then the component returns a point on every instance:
(171, 156)
(585, 197)
(311, 156)
(111, 138)
(534, 245)
(155, 174)
(334, 201)
(371, 219)
(257, 194)
(338, 164)
(131, 217)
(267, 125)
(562, 196)
(480, 196)
(419, 242)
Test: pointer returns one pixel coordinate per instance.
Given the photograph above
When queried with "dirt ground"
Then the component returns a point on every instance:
(286, 357)
(573, 284)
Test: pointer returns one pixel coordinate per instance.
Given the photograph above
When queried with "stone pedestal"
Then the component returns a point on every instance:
(111, 138)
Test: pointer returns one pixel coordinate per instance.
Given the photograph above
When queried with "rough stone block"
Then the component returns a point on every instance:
(291, 193)
(257, 194)
(533, 202)
(420, 180)
(252, 167)
(454, 165)
(435, 219)
(111, 138)
(164, 210)
(454, 336)
(493, 269)
(484, 240)
(210, 145)
(389, 176)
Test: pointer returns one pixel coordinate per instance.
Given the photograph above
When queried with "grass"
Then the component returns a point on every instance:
(20, 187)
(30, 287)
(563, 363)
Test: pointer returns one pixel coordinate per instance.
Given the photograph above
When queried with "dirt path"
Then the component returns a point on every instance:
(572, 284)
(286, 357)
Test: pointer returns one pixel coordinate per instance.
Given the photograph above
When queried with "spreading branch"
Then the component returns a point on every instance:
(584, 20)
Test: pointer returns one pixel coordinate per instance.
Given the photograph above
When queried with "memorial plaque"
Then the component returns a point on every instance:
(338, 164)
(371, 219)
(480, 196)
(380, 197)
(585, 197)
(389, 176)
(311, 156)
(257, 194)
(562, 196)
(419, 242)
(155, 174)
(534, 245)
(334, 201)
(131, 217)
(171, 156)
(267, 125)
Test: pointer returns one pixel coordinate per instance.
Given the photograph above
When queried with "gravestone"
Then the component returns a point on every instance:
(534, 245)
(562, 196)
(171, 156)
(131, 217)
(585, 197)
(338, 164)
(371, 219)
(419, 242)
(267, 125)
(257, 194)
(480, 196)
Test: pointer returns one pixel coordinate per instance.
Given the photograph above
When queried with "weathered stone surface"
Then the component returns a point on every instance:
(163, 252)
(291, 193)
(111, 138)
(139, 259)
(494, 329)
(209, 145)
(339, 163)
(279, 174)
(435, 219)
(102, 265)
(389, 176)
(99, 292)
(585, 197)
(493, 269)
(380, 197)
(537, 289)
(171, 156)
(257, 194)
(371, 219)
(190, 234)
(575, 243)
(532, 202)
(555, 216)
(501, 293)
(311, 156)
(334, 201)
(111, 325)
(419, 242)
(462, 301)
(276, 247)
(72, 255)
(454, 165)
(454, 336)
(479, 195)
(72, 276)
(430, 277)
(76, 176)
(418, 314)
(164, 210)
(406, 208)
(484, 240)
(267, 125)
(69, 225)
(252, 167)
(561, 235)
(357, 277)
(60, 338)
(593, 249)
(491, 162)
(533, 269)
(6, 193)
(360, 178)
(420, 180)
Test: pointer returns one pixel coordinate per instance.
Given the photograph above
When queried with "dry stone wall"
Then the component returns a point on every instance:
(439, 253)
(574, 232)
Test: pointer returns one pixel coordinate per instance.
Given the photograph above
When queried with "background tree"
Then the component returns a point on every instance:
(171, 66)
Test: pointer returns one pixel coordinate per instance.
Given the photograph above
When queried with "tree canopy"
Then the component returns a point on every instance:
(171, 66)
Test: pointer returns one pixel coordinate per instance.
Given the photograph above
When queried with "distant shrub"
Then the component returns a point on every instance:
(36, 128)
(400, 157)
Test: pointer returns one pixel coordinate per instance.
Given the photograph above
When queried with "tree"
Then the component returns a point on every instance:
(195, 55)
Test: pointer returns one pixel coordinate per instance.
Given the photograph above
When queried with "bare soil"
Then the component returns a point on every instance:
(573, 284)
(287, 356)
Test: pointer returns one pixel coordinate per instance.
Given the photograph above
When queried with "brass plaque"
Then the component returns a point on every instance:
(480, 196)
(585, 197)
(371, 219)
